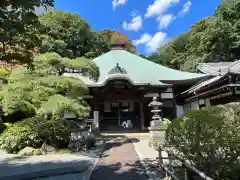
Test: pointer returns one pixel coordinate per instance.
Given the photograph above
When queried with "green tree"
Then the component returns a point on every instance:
(212, 39)
(67, 34)
(43, 91)
(71, 36)
(35, 101)
(171, 53)
(19, 29)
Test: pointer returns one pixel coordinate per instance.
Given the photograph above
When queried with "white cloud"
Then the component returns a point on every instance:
(116, 3)
(159, 7)
(134, 25)
(165, 20)
(145, 38)
(41, 9)
(157, 40)
(186, 8)
(152, 43)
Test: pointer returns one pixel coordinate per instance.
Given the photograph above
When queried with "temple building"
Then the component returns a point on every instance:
(128, 82)
(221, 86)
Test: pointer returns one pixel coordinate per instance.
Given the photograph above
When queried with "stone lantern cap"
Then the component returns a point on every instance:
(155, 103)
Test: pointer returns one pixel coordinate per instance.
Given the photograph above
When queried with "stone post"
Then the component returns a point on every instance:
(94, 128)
(157, 129)
(96, 119)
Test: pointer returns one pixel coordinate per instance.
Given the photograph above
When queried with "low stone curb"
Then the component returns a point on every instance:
(83, 166)
(47, 172)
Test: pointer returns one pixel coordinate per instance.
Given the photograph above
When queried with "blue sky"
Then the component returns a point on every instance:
(149, 23)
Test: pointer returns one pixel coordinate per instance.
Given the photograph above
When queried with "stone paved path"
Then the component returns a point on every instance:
(119, 162)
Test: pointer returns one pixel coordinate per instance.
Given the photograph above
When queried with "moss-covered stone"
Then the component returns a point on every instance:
(27, 151)
(37, 152)
(63, 151)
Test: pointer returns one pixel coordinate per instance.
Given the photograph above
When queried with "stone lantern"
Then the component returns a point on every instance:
(155, 104)
(157, 128)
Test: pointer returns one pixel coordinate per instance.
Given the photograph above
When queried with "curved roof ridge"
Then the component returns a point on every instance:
(140, 69)
(162, 66)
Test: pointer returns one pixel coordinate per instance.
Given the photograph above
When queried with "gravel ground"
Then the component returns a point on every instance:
(119, 162)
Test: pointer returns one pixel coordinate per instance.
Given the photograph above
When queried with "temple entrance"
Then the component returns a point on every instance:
(120, 114)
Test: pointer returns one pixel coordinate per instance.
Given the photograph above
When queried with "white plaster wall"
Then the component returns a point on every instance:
(169, 90)
(194, 105)
(237, 90)
(180, 110)
(201, 102)
(186, 108)
(166, 95)
(207, 102)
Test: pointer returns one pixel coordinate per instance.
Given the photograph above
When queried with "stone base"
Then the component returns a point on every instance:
(157, 132)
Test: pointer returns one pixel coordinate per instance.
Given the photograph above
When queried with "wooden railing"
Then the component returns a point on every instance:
(170, 161)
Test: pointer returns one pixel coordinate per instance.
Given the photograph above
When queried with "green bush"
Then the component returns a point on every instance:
(210, 138)
(166, 122)
(33, 132)
(4, 72)
(17, 136)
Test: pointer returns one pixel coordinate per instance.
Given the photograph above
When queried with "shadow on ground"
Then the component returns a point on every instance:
(129, 171)
(120, 162)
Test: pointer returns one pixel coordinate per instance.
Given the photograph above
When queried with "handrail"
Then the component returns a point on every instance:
(184, 164)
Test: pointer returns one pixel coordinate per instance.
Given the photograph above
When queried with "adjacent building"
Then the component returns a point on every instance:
(220, 87)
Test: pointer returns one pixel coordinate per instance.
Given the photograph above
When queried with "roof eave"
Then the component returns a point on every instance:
(135, 84)
(181, 81)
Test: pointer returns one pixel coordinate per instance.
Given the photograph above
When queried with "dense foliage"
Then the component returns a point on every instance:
(23, 33)
(19, 29)
(71, 36)
(34, 132)
(213, 39)
(42, 91)
(210, 139)
(39, 97)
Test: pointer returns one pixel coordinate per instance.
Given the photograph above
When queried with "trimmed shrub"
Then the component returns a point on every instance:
(209, 137)
(18, 136)
(33, 132)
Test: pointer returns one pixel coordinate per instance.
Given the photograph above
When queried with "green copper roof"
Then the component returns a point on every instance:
(219, 67)
(137, 69)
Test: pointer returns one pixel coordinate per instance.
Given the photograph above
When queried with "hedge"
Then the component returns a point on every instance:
(210, 138)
